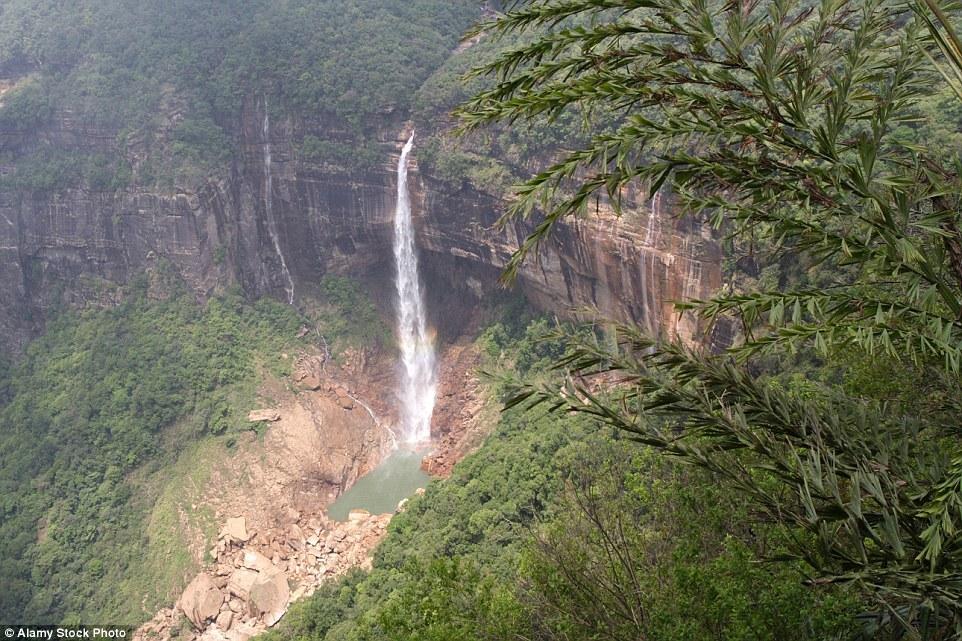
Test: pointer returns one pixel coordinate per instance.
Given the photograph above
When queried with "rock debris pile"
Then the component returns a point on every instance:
(255, 575)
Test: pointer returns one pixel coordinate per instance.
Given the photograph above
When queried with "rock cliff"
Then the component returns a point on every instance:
(76, 246)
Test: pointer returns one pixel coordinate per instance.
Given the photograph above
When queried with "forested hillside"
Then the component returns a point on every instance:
(95, 417)
(104, 395)
(118, 65)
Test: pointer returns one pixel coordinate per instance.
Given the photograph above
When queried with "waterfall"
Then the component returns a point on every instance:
(377, 421)
(653, 212)
(269, 204)
(418, 384)
(652, 315)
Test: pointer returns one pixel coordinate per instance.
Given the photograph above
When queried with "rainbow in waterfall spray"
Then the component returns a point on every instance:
(418, 376)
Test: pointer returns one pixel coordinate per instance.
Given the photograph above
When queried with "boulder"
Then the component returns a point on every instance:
(237, 529)
(213, 633)
(310, 382)
(224, 620)
(270, 416)
(257, 561)
(241, 631)
(436, 465)
(356, 516)
(241, 582)
(269, 597)
(201, 600)
(297, 534)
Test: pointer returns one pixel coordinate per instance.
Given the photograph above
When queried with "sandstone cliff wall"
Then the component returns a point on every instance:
(75, 247)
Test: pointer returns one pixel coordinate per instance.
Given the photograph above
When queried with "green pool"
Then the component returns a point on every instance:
(380, 490)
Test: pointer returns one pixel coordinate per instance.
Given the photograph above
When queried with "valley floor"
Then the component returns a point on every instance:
(328, 426)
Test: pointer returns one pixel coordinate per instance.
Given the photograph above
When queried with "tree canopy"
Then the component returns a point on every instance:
(174, 75)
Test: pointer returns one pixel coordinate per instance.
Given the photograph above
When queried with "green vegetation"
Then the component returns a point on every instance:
(338, 69)
(462, 562)
(50, 170)
(790, 126)
(348, 316)
(813, 488)
(122, 66)
(94, 401)
(166, 493)
(358, 154)
(494, 159)
(26, 108)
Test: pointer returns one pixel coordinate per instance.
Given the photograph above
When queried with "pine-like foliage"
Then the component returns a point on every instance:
(792, 123)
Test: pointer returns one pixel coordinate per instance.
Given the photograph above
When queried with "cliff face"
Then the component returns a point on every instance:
(75, 247)
(628, 268)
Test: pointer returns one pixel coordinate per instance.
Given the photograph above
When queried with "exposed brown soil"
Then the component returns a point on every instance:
(328, 425)
(459, 424)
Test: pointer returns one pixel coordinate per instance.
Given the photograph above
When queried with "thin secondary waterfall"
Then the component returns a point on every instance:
(648, 255)
(269, 204)
(653, 213)
(418, 385)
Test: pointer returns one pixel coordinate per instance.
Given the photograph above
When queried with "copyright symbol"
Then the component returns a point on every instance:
(8, 632)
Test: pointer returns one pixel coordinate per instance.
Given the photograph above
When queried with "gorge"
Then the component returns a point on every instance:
(83, 249)
(284, 213)
(651, 332)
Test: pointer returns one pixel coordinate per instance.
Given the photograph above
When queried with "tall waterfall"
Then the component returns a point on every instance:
(269, 204)
(418, 384)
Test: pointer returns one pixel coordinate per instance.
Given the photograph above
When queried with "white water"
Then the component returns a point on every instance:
(377, 421)
(418, 385)
(653, 212)
(651, 314)
(269, 204)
